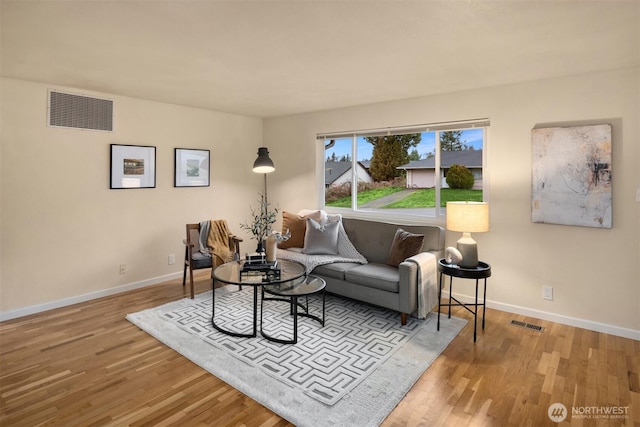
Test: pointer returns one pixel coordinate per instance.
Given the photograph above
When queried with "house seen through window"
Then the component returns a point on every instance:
(404, 172)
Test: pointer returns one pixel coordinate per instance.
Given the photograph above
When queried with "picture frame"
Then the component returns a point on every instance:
(192, 167)
(132, 166)
(571, 180)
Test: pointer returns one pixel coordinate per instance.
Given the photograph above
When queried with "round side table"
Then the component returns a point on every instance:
(232, 273)
(290, 292)
(482, 271)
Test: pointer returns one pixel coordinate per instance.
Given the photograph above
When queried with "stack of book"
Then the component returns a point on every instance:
(256, 266)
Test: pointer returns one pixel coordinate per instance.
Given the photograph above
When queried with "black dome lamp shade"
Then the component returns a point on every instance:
(263, 163)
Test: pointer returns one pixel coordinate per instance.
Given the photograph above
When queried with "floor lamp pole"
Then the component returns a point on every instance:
(265, 193)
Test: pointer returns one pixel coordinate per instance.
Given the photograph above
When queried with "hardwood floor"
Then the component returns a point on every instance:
(85, 365)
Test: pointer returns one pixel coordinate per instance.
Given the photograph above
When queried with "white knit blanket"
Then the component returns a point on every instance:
(346, 253)
(427, 282)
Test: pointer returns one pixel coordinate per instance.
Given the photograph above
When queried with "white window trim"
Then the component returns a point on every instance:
(381, 214)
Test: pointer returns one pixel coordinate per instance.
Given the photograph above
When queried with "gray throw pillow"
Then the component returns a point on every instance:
(321, 239)
(405, 245)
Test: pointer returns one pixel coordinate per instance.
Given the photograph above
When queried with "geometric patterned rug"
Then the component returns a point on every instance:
(325, 365)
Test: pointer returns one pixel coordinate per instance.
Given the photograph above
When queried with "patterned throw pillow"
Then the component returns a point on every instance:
(405, 245)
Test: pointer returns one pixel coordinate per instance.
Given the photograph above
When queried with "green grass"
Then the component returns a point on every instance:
(420, 199)
(427, 198)
(365, 197)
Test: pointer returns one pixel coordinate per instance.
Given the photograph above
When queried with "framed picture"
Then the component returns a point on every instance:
(191, 168)
(133, 166)
(571, 176)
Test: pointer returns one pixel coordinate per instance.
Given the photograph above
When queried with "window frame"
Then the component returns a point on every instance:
(389, 215)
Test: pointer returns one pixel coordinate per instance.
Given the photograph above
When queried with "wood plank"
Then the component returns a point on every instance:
(87, 365)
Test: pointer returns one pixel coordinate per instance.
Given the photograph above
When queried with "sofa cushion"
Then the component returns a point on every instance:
(404, 245)
(335, 270)
(379, 276)
(321, 239)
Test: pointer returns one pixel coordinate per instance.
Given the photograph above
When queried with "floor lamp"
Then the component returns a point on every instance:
(263, 165)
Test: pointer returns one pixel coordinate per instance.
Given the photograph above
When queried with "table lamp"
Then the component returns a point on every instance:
(467, 218)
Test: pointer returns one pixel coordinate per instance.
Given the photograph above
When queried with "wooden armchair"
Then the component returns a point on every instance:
(196, 259)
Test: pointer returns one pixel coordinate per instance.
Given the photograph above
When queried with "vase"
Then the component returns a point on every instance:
(260, 247)
(271, 243)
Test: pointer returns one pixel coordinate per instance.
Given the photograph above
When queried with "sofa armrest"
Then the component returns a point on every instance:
(426, 282)
(408, 286)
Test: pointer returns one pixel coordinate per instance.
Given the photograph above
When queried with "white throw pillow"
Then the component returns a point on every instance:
(321, 239)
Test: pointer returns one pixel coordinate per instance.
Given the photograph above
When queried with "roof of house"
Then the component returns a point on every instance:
(334, 170)
(468, 158)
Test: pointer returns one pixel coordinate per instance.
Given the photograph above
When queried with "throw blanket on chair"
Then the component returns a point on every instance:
(214, 240)
(427, 282)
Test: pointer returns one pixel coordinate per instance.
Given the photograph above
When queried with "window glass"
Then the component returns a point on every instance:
(413, 174)
(338, 176)
(461, 165)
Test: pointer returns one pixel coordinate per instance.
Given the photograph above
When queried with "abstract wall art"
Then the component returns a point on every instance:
(571, 176)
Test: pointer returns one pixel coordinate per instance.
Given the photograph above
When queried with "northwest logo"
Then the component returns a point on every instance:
(557, 412)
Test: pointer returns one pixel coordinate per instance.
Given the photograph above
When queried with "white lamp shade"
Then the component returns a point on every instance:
(468, 217)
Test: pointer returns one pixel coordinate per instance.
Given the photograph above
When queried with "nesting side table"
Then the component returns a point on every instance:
(482, 271)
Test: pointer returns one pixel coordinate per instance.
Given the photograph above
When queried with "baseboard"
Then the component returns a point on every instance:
(20, 312)
(554, 317)
(509, 308)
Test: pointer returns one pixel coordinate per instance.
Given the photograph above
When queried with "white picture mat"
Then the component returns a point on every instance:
(123, 177)
(192, 168)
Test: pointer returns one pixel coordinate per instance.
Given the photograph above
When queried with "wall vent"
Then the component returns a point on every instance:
(80, 112)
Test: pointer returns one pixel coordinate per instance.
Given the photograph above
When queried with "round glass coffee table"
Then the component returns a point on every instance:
(290, 292)
(232, 273)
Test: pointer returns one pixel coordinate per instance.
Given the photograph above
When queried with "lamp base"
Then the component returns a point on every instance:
(469, 250)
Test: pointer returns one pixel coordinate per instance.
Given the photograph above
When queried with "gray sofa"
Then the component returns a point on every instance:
(376, 282)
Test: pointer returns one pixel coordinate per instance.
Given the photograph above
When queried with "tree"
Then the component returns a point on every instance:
(459, 176)
(414, 155)
(389, 152)
(451, 141)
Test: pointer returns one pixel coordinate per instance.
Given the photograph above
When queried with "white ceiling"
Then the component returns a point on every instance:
(272, 58)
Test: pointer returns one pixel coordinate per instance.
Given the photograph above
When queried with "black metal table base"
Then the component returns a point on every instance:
(293, 311)
(482, 271)
(466, 306)
(233, 333)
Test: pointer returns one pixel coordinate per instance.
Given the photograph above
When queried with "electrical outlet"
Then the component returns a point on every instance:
(171, 259)
(123, 268)
(547, 293)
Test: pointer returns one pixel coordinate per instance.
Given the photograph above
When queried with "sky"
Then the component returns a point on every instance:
(471, 137)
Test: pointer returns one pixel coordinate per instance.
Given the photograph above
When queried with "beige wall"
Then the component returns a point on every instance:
(595, 273)
(65, 233)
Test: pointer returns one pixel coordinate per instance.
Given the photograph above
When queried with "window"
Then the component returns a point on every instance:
(410, 172)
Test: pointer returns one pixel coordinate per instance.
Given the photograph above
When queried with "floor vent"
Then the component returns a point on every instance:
(531, 326)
